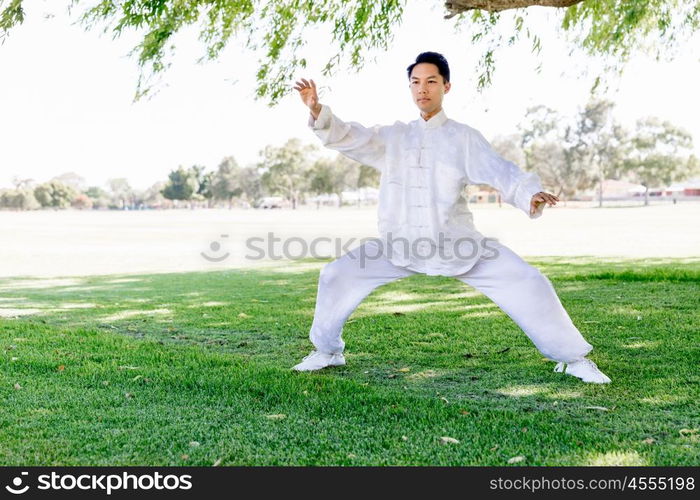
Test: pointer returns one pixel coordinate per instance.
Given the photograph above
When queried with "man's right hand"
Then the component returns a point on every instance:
(307, 92)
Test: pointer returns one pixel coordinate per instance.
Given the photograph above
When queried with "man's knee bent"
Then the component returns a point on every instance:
(330, 273)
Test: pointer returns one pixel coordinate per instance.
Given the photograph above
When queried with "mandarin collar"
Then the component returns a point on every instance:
(433, 122)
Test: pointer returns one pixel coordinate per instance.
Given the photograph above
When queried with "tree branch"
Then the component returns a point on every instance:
(455, 7)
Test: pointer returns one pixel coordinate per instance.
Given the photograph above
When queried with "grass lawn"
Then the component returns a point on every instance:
(193, 369)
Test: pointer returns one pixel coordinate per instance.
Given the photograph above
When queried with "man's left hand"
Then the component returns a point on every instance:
(541, 198)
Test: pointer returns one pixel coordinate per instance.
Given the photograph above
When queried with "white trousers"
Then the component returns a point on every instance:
(519, 289)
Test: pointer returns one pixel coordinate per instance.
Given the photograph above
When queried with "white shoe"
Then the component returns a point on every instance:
(317, 360)
(585, 369)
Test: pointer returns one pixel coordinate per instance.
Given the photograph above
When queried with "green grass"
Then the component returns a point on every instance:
(133, 370)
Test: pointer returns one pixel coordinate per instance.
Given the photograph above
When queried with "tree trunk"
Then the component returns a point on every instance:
(561, 190)
(600, 193)
(455, 7)
(646, 196)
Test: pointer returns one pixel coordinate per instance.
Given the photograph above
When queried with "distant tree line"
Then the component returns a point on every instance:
(570, 154)
(574, 154)
(294, 171)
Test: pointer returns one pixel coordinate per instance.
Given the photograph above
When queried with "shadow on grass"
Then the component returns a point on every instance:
(432, 338)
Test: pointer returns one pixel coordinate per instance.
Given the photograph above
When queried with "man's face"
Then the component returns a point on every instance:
(428, 87)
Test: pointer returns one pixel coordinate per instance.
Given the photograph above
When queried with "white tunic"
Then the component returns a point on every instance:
(424, 220)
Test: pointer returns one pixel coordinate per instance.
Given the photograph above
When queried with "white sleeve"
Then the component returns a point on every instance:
(485, 166)
(359, 143)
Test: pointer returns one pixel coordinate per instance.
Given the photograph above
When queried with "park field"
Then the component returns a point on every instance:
(193, 368)
(80, 243)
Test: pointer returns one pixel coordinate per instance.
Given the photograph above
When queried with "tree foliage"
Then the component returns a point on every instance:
(182, 184)
(230, 181)
(554, 150)
(574, 154)
(225, 185)
(204, 182)
(18, 199)
(285, 169)
(277, 30)
(660, 154)
(100, 198)
(333, 176)
(122, 192)
(54, 194)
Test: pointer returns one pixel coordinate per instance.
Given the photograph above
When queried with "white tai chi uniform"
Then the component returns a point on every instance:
(425, 226)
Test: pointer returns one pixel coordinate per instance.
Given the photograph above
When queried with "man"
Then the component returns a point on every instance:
(426, 227)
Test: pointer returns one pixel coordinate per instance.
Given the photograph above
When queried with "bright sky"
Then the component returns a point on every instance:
(66, 96)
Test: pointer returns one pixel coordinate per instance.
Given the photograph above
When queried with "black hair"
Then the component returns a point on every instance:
(432, 58)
